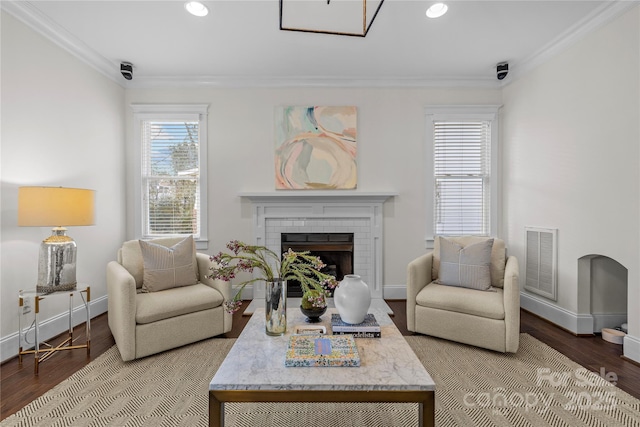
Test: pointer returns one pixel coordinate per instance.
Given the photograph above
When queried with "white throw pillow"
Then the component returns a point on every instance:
(166, 268)
(467, 267)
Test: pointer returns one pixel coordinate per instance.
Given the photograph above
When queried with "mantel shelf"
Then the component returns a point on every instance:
(318, 196)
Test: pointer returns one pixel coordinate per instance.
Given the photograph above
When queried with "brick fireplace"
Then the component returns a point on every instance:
(325, 212)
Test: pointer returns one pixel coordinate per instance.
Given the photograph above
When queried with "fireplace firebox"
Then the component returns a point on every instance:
(335, 250)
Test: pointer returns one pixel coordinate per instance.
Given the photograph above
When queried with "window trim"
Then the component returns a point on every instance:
(170, 112)
(435, 113)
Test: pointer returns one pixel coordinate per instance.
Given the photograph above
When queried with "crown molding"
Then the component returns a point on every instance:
(147, 82)
(42, 24)
(600, 16)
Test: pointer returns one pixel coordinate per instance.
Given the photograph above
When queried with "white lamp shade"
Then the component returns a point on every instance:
(55, 206)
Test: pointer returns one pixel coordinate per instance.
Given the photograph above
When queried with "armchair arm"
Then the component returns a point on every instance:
(223, 287)
(512, 304)
(121, 293)
(418, 276)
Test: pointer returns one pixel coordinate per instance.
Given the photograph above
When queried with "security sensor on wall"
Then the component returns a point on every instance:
(126, 68)
(502, 69)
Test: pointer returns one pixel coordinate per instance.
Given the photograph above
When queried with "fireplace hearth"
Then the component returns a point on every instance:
(335, 250)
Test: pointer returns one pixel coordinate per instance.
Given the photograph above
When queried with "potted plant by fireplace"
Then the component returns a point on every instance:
(274, 271)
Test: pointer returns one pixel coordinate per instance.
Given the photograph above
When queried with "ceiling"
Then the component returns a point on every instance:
(240, 44)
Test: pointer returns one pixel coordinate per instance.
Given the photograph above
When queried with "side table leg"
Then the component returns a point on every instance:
(20, 314)
(70, 319)
(36, 354)
(88, 323)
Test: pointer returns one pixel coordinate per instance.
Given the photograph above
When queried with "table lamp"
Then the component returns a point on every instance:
(56, 207)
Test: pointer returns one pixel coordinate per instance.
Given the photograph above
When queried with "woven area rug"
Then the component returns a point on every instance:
(535, 387)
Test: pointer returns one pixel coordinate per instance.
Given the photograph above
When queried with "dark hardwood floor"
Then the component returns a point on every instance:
(19, 385)
(593, 352)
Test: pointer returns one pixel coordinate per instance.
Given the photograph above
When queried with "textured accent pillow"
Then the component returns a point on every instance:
(166, 268)
(468, 266)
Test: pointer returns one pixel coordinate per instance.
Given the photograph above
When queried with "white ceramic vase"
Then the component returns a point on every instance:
(352, 298)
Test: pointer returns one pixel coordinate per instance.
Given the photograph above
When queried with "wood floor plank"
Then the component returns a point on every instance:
(19, 385)
(593, 353)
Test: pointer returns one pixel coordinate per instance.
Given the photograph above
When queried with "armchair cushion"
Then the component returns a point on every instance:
(498, 257)
(461, 300)
(154, 306)
(465, 266)
(168, 267)
(130, 257)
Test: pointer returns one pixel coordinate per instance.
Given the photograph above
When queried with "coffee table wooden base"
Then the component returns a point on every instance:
(425, 399)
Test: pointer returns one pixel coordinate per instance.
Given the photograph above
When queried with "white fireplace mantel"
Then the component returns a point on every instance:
(338, 196)
(360, 212)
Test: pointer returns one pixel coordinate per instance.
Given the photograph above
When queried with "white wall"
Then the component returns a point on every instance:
(391, 154)
(65, 124)
(570, 134)
(571, 152)
(62, 125)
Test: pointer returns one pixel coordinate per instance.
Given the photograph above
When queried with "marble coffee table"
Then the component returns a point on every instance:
(254, 371)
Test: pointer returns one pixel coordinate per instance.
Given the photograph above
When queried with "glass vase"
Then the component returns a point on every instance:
(275, 309)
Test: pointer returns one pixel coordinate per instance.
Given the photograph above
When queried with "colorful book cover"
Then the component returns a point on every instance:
(370, 324)
(328, 350)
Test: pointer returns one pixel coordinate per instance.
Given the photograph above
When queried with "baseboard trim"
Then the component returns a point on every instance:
(631, 349)
(54, 326)
(394, 291)
(577, 324)
(605, 320)
(247, 292)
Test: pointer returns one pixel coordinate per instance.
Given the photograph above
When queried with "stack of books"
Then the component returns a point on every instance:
(321, 350)
(369, 328)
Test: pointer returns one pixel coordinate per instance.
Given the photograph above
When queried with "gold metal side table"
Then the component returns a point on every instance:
(43, 350)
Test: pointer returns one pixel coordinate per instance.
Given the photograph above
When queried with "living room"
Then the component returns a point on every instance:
(569, 138)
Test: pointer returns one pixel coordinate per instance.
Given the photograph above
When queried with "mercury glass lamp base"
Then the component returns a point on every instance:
(59, 288)
(57, 263)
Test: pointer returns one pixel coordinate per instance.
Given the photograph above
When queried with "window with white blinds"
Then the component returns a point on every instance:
(171, 171)
(462, 173)
(462, 166)
(171, 177)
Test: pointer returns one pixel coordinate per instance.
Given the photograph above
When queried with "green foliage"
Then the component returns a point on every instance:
(300, 266)
(313, 298)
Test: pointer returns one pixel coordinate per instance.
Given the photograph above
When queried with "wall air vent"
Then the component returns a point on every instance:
(541, 254)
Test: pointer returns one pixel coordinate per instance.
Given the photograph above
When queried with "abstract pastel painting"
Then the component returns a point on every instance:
(315, 148)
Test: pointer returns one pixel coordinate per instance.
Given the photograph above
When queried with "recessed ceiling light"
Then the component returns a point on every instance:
(196, 8)
(437, 10)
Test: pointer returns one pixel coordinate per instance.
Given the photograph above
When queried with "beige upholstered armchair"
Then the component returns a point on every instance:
(160, 298)
(467, 308)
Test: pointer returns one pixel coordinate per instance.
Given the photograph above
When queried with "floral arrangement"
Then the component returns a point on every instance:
(314, 299)
(300, 266)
